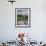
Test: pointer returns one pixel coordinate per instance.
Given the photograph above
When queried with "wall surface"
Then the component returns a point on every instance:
(8, 31)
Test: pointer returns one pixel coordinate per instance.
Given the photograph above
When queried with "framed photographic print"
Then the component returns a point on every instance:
(22, 17)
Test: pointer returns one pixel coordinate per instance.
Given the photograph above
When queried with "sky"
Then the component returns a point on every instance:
(22, 11)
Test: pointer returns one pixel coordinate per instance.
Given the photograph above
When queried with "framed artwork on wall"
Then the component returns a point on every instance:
(22, 17)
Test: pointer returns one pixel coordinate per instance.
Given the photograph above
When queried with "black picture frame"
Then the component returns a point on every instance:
(22, 17)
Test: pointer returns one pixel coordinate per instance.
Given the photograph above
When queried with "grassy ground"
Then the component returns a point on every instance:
(22, 17)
